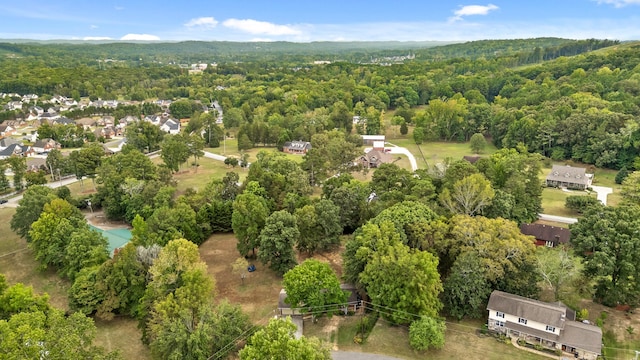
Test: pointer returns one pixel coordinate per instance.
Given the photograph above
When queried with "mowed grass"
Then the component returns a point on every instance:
(18, 264)
(431, 153)
(191, 177)
(553, 201)
(462, 340)
(232, 150)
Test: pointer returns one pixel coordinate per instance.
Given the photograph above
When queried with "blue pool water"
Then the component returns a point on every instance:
(117, 238)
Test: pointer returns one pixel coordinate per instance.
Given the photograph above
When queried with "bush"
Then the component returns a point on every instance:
(580, 203)
(365, 325)
(427, 333)
(621, 175)
(583, 314)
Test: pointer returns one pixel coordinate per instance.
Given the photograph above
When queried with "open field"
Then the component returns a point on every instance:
(553, 201)
(462, 340)
(438, 151)
(233, 151)
(208, 169)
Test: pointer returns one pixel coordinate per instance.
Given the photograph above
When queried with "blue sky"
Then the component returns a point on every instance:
(326, 20)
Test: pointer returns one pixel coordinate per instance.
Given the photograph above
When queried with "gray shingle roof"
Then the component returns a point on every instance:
(542, 312)
(569, 174)
(582, 336)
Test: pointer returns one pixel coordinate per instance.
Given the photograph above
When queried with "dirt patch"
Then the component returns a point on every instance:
(625, 325)
(258, 295)
(99, 220)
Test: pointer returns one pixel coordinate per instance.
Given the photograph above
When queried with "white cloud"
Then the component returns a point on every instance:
(619, 3)
(119, 8)
(93, 26)
(204, 22)
(260, 27)
(95, 38)
(469, 10)
(140, 37)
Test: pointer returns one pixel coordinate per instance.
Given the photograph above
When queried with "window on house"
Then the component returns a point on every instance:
(500, 314)
(500, 323)
(551, 328)
(522, 321)
(548, 243)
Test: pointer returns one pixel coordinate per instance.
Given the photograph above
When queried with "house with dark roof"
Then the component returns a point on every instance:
(16, 150)
(6, 142)
(551, 325)
(171, 126)
(296, 147)
(547, 235)
(569, 177)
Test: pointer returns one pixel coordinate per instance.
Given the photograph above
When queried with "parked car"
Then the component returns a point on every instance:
(3, 201)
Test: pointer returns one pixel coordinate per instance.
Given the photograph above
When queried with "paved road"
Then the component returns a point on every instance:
(348, 355)
(561, 219)
(13, 202)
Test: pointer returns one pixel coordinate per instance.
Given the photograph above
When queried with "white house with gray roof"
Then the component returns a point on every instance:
(570, 177)
(551, 325)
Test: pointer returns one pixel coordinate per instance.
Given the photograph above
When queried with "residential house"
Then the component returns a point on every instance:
(29, 97)
(48, 116)
(374, 159)
(296, 147)
(63, 121)
(551, 325)
(6, 142)
(358, 120)
(36, 163)
(14, 105)
(6, 130)
(171, 126)
(570, 177)
(42, 146)
(547, 235)
(127, 120)
(106, 132)
(86, 122)
(36, 109)
(16, 150)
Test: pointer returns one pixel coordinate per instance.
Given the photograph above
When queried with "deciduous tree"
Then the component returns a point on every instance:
(314, 287)
(607, 239)
(404, 279)
(277, 341)
(468, 196)
(277, 238)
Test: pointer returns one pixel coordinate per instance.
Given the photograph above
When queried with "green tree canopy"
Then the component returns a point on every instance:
(277, 238)
(607, 239)
(277, 341)
(403, 279)
(314, 287)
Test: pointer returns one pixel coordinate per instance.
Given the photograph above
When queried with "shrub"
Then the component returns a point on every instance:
(580, 203)
(583, 314)
(365, 325)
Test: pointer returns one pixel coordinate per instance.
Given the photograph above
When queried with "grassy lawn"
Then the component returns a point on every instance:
(553, 201)
(232, 150)
(462, 340)
(436, 152)
(208, 169)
